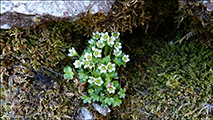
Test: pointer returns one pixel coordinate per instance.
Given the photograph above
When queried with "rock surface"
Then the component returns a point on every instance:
(29, 13)
(85, 115)
(101, 110)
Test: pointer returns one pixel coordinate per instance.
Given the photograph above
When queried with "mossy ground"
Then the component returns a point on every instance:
(32, 85)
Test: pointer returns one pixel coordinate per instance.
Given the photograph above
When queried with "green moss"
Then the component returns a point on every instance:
(178, 75)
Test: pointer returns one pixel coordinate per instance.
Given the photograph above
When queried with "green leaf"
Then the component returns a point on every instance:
(115, 75)
(112, 100)
(112, 74)
(82, 76)
(117, 40)
(118, 61)
(96, 73)
(107, 59)
(95, 98)
(90, 91)
(104, 105)
(122, 90)
(121, 93)
(117, 101)
(68, 76)
(96, 60)
(68, 73)
(109, 101)
(107, 81)
(98, 90)
(116, 84)
(67, 69)
(83, 97)
(102, 97)
(124, 64)
(86, 99)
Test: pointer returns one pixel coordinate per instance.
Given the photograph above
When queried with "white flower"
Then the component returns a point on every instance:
(91, 65)
(109, 85)
(86, 63)
(115, 34)
(110, 88)
(91, 42)
(91, 79)
(117, 52)
(93, 48)
(98, 81)
(77, 64)
(103, 68)
(117, 45)
(100, 44)
(111, 40)
(125, 58)
(110, 67)
(72, 52)
(88, 56)
(96, 35)
(104, 36)
(97, 52)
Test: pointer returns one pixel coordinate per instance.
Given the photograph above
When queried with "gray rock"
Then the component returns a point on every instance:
(101, 110)
(30, 13)
(85, 115)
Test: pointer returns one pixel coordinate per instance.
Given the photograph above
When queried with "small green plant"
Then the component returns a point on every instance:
(97, 68)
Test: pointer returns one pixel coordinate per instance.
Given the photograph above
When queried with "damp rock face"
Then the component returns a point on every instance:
(29, 13)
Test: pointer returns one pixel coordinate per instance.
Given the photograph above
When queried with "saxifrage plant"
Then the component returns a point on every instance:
(97, 67)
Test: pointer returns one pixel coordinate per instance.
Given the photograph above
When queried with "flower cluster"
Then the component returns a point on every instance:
(97, 67)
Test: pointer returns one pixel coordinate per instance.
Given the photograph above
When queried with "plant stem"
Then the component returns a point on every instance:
(105, 50)
(110, 52)
(78, 56)
(91, 72)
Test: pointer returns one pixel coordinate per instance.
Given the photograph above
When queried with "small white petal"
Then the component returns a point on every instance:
(97, 53)
(88, 56)
(91, 42)
(125, 58)
(115, 34)
(117, 45)
(110, 67)
(91, 65)
(117, 52)
(99, 81)
(72, 52)
(91, 79)
(77, 64)
(100, 44)
(102, 68)
(93, 48)
(111, 89)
